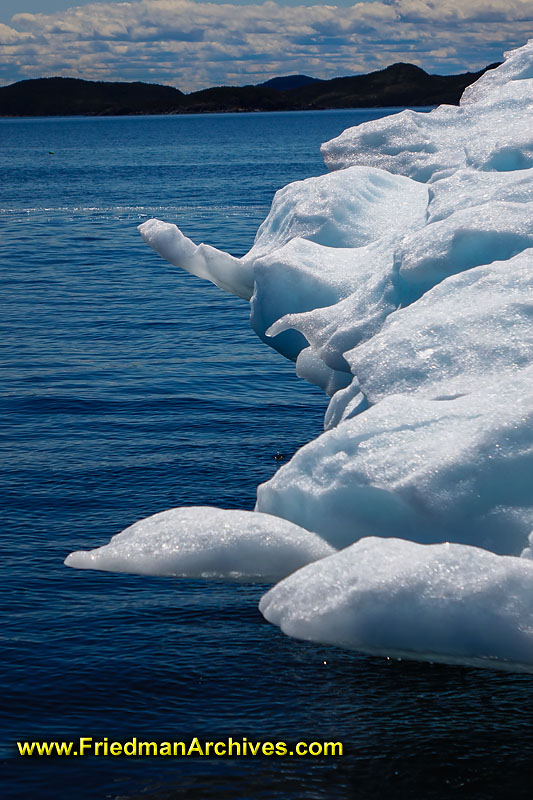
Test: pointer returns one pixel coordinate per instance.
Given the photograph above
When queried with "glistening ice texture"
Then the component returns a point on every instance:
(430, 439)
(444, 602)
(401, 284)
(205, 542)
(431, 470)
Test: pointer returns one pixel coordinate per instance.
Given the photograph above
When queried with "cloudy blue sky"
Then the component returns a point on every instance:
(193, 44)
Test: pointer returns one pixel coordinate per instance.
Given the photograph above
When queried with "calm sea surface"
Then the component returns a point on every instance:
(130, 387)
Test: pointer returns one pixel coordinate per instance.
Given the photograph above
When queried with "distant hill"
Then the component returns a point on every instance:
(288, 82)
(397, 85)
(68, 96)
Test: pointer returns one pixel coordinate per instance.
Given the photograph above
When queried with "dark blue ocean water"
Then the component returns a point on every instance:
(130, 387)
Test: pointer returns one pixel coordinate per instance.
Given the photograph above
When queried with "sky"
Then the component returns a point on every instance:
(193, 44)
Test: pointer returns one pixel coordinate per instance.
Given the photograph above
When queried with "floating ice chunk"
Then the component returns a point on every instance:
(205, 542)
(474, 329)
(446, 602)
(457, 469)
(222, 269)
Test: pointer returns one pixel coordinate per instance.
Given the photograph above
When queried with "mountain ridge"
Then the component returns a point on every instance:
(397, 85)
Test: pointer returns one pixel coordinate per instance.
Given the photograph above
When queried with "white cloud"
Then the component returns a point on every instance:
(461, 11)
(9, 36)
(196, 44)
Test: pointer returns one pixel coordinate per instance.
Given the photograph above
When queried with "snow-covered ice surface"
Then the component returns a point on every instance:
(428, 349)
(457, 469)
(401, 284)
(205, 542)
(444, 602)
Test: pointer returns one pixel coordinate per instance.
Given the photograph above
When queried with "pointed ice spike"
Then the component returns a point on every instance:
(222, 269)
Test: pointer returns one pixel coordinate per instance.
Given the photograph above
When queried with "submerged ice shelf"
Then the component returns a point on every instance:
(401, 283)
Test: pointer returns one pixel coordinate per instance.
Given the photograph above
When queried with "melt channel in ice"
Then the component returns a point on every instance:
(401, 284)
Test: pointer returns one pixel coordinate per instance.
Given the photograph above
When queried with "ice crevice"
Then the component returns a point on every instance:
(401, 283)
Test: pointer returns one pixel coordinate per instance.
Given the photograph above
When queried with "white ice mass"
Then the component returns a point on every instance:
(204, 542)
(440, 602)
(401, 283)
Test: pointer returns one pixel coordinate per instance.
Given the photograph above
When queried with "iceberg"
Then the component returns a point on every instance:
(401, 283)
(445, 602)
(205, 542)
